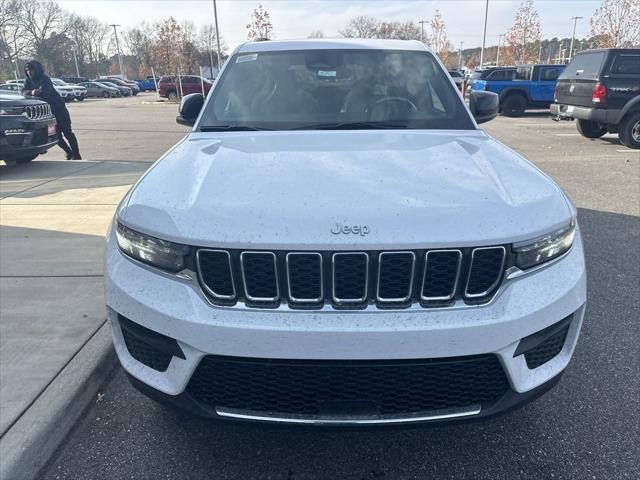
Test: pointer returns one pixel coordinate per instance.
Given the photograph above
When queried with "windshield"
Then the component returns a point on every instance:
(318, 89)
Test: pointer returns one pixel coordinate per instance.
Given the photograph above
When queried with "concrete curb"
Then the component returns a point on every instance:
(27, 446)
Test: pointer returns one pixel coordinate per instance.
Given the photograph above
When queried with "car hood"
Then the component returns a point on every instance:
(18, 100)
(411, 189)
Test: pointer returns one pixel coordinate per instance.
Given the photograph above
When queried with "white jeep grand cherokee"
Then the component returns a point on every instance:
(336, 242)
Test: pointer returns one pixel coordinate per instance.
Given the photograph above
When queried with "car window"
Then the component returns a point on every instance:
(523, 73)
(501, 75)
(584, 65)
(548, 73)
(626, 64)
(302, 88)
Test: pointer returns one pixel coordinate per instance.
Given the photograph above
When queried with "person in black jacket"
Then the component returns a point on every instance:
(38, 84)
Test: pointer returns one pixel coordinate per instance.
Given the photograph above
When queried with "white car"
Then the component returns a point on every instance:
(77, 92)
(336, 242)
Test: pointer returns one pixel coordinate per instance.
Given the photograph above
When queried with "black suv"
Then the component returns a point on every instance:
(28, 128)
(601, 90)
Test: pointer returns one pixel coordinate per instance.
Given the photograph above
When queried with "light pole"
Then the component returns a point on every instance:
(422, 22)
(215, 15)
(118, 48)
(573, 35)
(460, 56)
(75, 57)
(484, 31)
(498, 54)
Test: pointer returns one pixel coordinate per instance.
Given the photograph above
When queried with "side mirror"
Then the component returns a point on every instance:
(190, 107)
(484, 106)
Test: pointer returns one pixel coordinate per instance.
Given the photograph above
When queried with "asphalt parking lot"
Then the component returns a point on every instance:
(587, 427)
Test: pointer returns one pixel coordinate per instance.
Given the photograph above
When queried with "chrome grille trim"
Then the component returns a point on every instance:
(243, 255)
(424, 276)
(409, 284)
(498, 278)
(38, 112)
(206, 287)
(339, 300)
(294, 299)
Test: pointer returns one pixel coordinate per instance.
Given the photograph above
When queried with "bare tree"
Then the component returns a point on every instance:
(13, 38)
(523, 37)
(138, 43)
(437, 37)
(398, 30)
(41, 20)
(362, 26)
(616, 24)
(208, 44)
(316, 34)
(260, 26)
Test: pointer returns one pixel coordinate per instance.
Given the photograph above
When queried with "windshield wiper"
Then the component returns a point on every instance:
(351, 126)
(231, 128)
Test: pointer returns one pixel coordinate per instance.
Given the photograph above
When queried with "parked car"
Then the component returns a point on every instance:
(27, 130)
(493, 80)
(11, 89)
(148, 84)
(79, 92)
(601, 90)
(95, 89)
(337, 242)
(169, 88)
(123, 83)
(16, 82)
(124, 91)
(458, 77)
(520, 88)
(74, 80)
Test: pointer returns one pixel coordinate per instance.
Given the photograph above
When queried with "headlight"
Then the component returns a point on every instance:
(158, 253)
(11, 110)
(545, 248)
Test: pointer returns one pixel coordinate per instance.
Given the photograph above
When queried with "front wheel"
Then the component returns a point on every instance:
(590, 129)
(514, 106)
(80, 99)
(629, 130)
(172, 95)
(105, 94)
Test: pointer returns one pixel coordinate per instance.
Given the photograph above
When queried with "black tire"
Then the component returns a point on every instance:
(514, 105)
(81, 99)
(105, 95)
(172, 95)
(590, 129)
(629, 130)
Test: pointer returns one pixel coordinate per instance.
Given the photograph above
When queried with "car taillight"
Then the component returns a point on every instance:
(599, 94)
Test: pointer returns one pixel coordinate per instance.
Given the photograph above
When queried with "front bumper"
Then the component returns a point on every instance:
(20, 137)
(598, 115)
(177, 309)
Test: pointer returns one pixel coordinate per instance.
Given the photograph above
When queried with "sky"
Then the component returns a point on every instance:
(298, 18)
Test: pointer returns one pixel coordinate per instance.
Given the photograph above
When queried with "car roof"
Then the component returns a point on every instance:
(332, 44)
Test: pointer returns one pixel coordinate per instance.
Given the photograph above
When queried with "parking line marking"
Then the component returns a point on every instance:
(567, 134)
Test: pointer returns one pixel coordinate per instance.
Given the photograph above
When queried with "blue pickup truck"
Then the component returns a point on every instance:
(147, 84)
(521, 88)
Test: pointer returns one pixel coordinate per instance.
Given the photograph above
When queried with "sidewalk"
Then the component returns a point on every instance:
(53, 216)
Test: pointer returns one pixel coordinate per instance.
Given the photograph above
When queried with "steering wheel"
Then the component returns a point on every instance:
(396, 99)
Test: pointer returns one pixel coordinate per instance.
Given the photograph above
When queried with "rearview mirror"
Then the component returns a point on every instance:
(190, 107)
(483, 105)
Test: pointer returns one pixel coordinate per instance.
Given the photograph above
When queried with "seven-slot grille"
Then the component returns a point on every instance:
(387, 279)
(38, 112)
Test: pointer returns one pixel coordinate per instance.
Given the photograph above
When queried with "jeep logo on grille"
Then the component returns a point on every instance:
(342, 227)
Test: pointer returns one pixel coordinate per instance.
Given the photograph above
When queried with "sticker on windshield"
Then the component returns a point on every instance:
(247, 58)
(327, 73)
